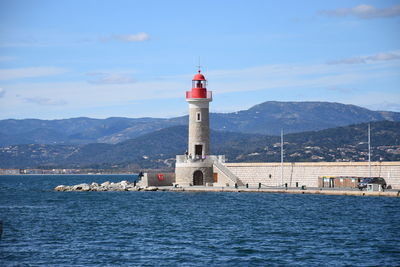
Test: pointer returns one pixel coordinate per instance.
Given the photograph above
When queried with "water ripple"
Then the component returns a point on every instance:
(46, 228)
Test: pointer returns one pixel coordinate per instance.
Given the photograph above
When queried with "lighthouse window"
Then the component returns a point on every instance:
(199, 84)
(198, 116)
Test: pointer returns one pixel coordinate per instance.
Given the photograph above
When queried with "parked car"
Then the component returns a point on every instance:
(373, 180)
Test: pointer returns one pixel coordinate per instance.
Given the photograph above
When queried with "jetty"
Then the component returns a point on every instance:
(132, 186)
(317, 191)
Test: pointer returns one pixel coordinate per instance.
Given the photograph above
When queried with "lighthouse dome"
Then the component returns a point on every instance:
(199, 77)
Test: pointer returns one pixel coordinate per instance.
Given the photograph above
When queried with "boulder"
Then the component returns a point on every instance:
(101, 188)
(150, 188)
(105, 184)
(132, 189)
(124, 183)
(81, 187)
(113, 186)
(94, 187)
(61, 188)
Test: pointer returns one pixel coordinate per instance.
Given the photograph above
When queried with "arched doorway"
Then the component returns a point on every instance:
(198, 178)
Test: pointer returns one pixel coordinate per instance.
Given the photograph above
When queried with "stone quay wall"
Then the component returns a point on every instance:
(307, 173)
(157, 179)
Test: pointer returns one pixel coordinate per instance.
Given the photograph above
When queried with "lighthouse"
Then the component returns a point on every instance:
(199, 122)
(196, 166)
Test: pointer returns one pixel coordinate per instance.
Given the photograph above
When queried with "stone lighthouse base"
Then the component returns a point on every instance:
(192, 171)
(188, 176)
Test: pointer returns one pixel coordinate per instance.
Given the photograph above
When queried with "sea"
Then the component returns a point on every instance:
(42, 227)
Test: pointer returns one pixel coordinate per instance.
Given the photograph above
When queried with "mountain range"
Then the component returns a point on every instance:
(158, 148)
(267, 118)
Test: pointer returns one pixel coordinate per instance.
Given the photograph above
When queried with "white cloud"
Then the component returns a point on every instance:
(387, 56)
(6, 58)
(44, 101)
(384, 56)
(382, 101)
(83, 95)
(316, 81)
(351, 60)
(363, 12)
(2, 92)
(20, 73)
(129, 38)
(343, 90)
(290, 76)
(385, 106)
(110, 78)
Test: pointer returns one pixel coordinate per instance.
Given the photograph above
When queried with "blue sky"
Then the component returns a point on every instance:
(62, 59)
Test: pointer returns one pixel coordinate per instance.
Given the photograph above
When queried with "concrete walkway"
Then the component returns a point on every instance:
(317, 191)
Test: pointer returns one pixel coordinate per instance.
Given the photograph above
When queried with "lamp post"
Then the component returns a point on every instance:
(281, 156)
(369, 149)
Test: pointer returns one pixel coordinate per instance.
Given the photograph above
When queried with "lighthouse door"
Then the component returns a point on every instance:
(198, 178)
(198, 150)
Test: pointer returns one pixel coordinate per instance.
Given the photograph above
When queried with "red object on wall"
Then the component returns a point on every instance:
(160, 177)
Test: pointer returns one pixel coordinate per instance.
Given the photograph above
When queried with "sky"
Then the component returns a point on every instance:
(72, 58)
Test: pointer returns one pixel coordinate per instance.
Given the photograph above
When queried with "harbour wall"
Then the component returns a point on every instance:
(157, 179)
(307, 173)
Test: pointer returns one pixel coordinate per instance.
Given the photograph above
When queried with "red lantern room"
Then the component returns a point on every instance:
(199, 87)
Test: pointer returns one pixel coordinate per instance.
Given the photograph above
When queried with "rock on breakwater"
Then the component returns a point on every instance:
(106, 186)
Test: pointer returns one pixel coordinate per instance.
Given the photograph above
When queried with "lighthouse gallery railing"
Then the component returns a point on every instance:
(189, 95)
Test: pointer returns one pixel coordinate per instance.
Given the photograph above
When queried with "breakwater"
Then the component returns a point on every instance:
(128, 186)
(106, 186)
(287, 191)
(307, 173)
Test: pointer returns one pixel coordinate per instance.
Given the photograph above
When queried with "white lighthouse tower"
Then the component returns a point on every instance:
(199, 122)
(196, 167)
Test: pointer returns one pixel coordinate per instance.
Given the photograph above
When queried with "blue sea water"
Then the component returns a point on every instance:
(47, 228)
